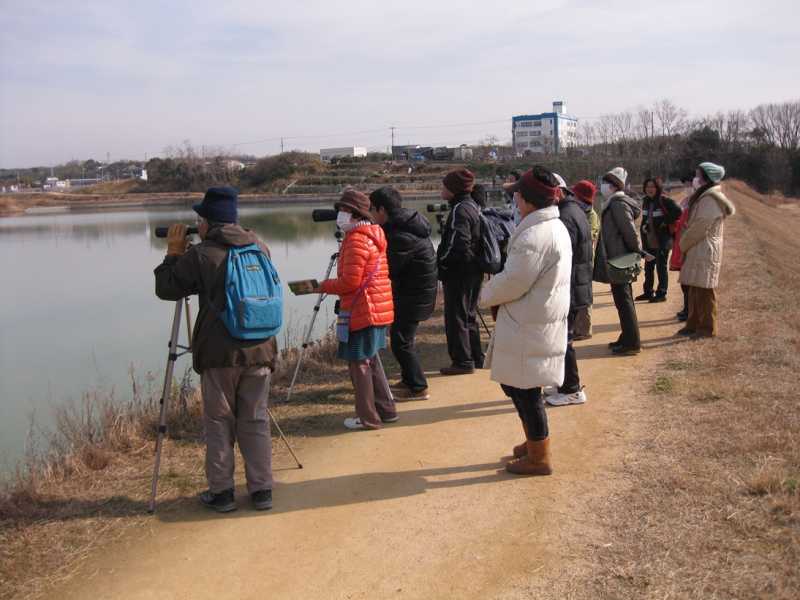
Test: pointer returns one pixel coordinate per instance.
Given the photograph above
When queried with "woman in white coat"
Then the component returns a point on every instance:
(530, 301)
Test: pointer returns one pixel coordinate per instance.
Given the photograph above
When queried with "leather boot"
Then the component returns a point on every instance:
(537, 461)
(521, 450)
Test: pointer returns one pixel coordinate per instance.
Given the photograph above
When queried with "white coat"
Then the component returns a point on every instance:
(532, 291)
(701, 241)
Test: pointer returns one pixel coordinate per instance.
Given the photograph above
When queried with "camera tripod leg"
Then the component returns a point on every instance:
(486, 327)
(283, 437)
(309, 330)
(165, 394)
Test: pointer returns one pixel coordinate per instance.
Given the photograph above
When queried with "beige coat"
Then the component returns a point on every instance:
(701, 241)
(532, 291)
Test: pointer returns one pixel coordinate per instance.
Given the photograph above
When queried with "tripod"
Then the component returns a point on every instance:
(172, 356)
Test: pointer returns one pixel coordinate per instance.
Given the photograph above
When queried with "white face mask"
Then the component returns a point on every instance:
(606, 189)
(342, 218)
(696, 183)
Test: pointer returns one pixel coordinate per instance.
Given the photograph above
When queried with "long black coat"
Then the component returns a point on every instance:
(575, 217)
(412, 265)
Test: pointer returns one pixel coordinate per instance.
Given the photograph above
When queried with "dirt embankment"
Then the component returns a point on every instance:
(678, 478)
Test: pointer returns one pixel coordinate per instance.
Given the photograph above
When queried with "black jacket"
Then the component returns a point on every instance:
(665, 212)
(201, 270)
(575, 217)
(412, 265)
(457, 252)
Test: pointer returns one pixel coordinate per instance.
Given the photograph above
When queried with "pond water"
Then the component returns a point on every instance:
(78, 311)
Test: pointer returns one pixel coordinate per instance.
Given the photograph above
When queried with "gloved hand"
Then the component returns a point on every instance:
(176, 239)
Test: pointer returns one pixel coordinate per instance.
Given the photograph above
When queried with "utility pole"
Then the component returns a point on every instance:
(392, 128)
(281, 145)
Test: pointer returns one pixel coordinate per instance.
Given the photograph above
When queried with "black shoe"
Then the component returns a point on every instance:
(222, 502)
(659, 297)
(616, 344)
(682, 316)
(686, 331)
(626, 350)
(262, 499)
(643, 297)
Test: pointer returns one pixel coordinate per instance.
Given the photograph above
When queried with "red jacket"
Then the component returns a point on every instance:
(676, 258)
(362, 249)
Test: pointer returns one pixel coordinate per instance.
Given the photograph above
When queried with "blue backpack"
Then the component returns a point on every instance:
(253, 295)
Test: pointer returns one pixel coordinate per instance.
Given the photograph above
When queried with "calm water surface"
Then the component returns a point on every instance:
(78, 311)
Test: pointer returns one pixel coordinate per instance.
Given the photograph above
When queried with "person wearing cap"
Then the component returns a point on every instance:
(530, 299)
(573, 213)
(234, 373)
(701, 245)
(366, 309)
(412, 269)
(460, 274)
(584, 192)
(618, 236)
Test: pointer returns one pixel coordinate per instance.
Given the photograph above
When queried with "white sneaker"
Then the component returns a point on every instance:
(353, 423)
(578, 397)
(550, 390)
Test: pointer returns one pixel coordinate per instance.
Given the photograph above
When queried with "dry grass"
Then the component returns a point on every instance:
(707, 501)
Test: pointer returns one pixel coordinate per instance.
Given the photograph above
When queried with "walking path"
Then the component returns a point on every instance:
(420, 509)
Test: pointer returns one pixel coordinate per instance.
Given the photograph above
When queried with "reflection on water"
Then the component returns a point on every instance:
(77, 308)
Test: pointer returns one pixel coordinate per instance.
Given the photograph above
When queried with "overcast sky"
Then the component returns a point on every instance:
(82, 79)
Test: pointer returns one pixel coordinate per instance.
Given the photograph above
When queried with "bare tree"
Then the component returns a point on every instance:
(671, 118)
(646, 122)
(779, 124)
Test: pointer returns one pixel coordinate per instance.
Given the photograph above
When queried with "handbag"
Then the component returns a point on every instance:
(343, 318)
(624, 268)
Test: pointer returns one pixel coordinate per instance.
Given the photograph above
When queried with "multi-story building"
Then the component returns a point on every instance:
(328, 154)
(546, 133)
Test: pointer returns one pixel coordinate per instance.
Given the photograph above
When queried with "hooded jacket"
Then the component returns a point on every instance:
(701, 240)
(363, 253)
(457, 252)
(201, 270)
(575, 215)
(618, 233)
(412, 265)
(665, 212)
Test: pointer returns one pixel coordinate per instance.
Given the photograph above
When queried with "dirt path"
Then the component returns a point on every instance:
(420, 509)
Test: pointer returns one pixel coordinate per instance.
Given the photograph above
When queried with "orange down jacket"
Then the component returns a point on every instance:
(361, 250)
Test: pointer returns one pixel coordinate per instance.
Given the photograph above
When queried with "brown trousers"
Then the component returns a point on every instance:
(702, 311)
(583, 322)
(235, 409)
(374, 400)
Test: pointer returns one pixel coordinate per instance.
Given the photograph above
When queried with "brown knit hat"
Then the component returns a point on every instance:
(459, 182)
(356, 202)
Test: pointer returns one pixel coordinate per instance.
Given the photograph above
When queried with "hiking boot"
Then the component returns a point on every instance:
(659, 297)
(535, 462)
(578, 397)
(405, 394)
(262, 499)
(685, 331)
(646, 297)
(626, 350)
(222, 502)
(456, 370)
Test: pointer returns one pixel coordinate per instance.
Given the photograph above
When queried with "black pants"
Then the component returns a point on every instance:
(572, 381)
(623, 300)
(685, 290)
(403, 334)
(530, 407)
(660, 264)
(461, 320)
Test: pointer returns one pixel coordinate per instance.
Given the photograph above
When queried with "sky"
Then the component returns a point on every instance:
(127, 80)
